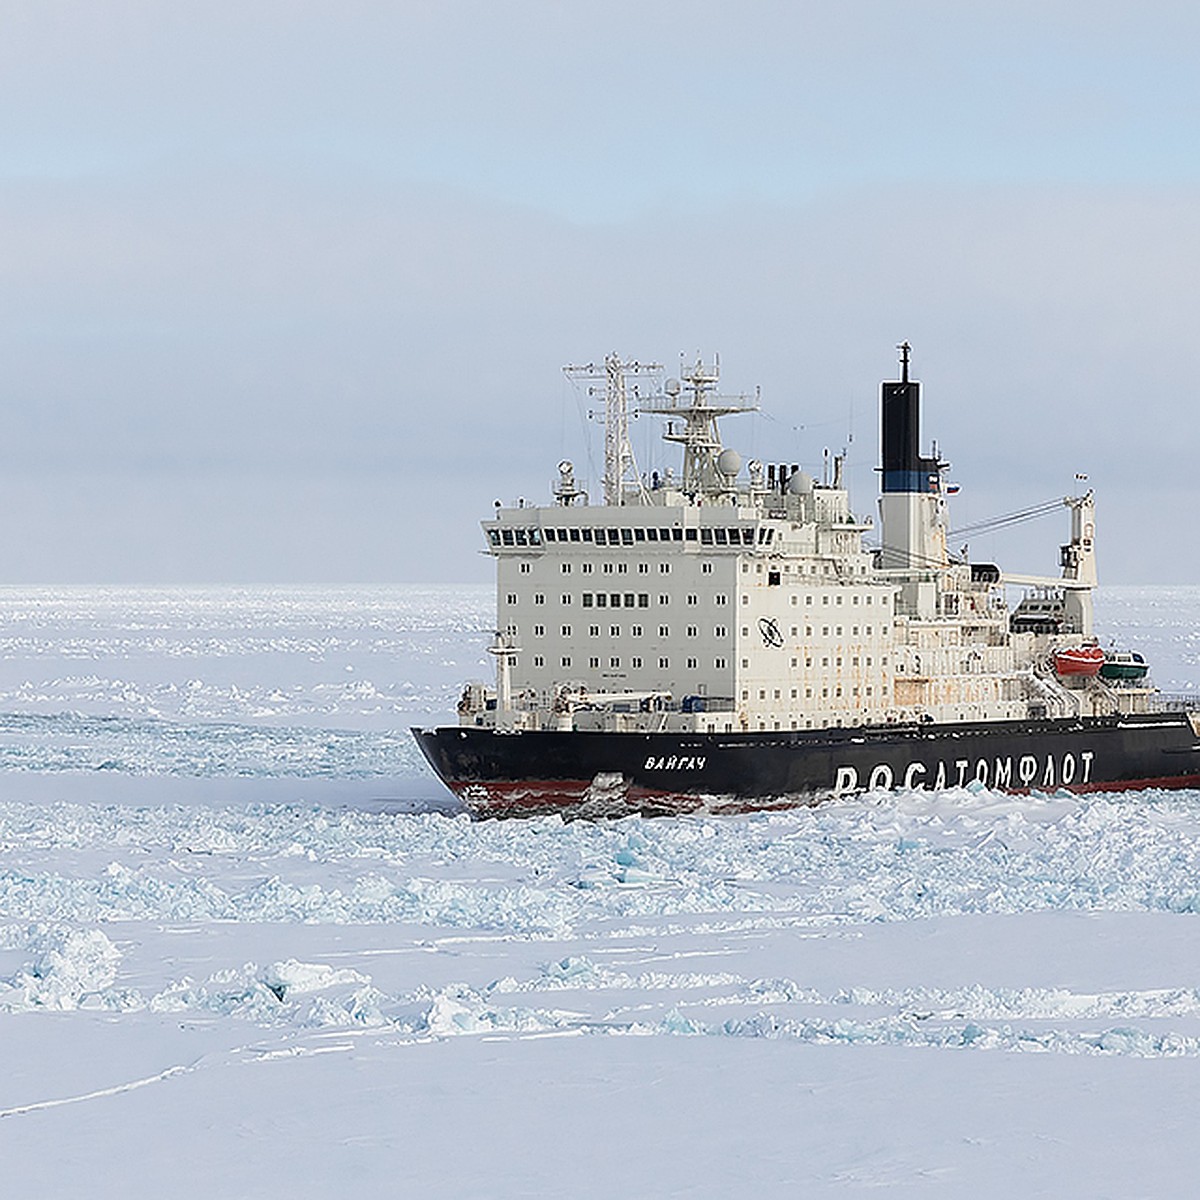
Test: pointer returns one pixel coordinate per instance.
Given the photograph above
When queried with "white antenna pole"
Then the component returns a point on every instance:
(617, 451)
(620, 468)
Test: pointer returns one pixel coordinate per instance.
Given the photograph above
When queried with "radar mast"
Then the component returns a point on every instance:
(699, 436)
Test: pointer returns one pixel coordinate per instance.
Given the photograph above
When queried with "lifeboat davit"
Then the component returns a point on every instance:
(1077, 661)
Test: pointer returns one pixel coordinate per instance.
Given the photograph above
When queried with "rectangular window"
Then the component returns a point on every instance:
(692, 631)
(635, 663)
(566, 631)
(664, 599)
(566, 662)
(614, 631)
(635, 631)
(692, 600)
(601, 599)
(538, 661)
(689, 535)
(566, 568)
(593, 631)
(522, 540)
(664, 631)
(664, 664)
(614, 600)
(593, 663)
(626, 537)
(566, 597)
(719, 663)
(706, 537)
(507, 537)
(639, 535)
(691, 664)
(511, 598)
(539, 598)
(614, 662)
(630, 600)
(587, 599)
(539, 631)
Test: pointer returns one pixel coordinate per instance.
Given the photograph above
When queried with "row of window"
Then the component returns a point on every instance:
(741, 536)
(620, 568)
(809, 693)
(826, 630)
(614, 599)
(839, 661)
(839, 597)
(635, 663)
(614, 631)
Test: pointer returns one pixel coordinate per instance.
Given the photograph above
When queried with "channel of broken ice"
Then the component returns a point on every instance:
(73, 870)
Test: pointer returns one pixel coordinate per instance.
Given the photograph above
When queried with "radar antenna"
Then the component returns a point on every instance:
(702, 473)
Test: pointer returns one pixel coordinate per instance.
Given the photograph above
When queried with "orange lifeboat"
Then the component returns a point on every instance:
(1079, 661)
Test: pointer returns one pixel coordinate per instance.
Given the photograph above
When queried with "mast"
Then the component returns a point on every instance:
(699, 436)
(620, 469)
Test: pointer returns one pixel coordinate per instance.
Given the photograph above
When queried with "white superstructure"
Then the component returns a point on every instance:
(730, 599)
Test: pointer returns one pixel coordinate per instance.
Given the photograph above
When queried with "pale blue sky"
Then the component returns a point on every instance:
(285, 287)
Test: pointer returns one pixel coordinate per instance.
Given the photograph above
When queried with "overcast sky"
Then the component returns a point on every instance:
(286, 288)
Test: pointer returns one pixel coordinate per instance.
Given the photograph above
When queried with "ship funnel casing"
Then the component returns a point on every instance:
(910, 504)
(901, 436)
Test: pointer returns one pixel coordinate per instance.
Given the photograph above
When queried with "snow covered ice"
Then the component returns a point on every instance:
(249, 947)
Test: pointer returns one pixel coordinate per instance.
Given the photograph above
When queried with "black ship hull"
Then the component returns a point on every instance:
(580, 772)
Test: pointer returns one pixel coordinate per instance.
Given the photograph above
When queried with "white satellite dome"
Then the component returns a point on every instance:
(729, 462)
